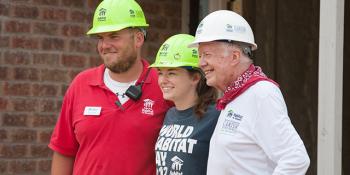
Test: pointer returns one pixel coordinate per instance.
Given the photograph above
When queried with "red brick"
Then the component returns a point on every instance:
(44, 120)
(46, 28)
(54, 75)
(10, 119)
(73, 30)
(13, 151)
(44, 166)
(23, 135)
(23, 11)
(92, 4)
(17, 58)
(25, 42)
(95, 61)
(42, 151)
(46, 2)
(44, 136)
(3, 166)
(3, 135)
(4, 10)
(22, 1)
(79, 17)
(74, 61)
(45, 90)
(3, 103)
(22, 166)
(75, 3)
(73, 74)
(54, 14)
(48, 106)
(17, 27)
(64, 89)
(4, 41)
(26, 73)
(54, 44)
(28, 105)
(150, 7)
(17, 89)
(87, 46)
(46, 59)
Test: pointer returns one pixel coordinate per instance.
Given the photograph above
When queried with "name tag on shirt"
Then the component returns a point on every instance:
(92, 110)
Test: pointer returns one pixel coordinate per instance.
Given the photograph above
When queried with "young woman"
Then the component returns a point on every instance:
(183, 143)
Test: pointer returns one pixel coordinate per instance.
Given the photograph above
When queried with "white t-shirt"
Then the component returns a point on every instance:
(117, 87)
(254, 136)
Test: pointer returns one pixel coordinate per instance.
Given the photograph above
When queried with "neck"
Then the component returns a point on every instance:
(186, 102)
(132, 74)
(237, 71)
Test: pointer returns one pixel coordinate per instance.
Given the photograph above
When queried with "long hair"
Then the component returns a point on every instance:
(206, 94)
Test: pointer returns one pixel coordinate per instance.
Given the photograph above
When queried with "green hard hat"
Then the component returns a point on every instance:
(175, 53)
(115, 15)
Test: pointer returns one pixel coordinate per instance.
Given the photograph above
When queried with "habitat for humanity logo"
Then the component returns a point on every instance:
(176, 165)
(231, 122)
(148, 107)
(102, 14)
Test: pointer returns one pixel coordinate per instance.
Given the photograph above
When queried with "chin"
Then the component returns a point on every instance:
(167, 97)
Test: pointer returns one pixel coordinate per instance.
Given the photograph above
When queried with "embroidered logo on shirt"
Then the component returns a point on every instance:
(177, 165)
(231, 122)
(148, 107)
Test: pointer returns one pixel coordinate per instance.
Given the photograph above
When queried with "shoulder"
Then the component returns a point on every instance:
(264, 89)
(212, 113)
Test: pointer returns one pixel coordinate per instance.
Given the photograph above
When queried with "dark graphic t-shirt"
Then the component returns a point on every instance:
(183, 143)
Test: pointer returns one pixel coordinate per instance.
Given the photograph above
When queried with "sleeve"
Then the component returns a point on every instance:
(63, 139)
(276, 135)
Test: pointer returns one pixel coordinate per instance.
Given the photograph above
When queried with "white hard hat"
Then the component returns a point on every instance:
(224, 25)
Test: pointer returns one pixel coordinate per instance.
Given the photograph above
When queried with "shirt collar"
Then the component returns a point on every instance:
(98, 80)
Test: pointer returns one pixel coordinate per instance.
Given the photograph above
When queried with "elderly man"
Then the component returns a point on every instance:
(254, 134)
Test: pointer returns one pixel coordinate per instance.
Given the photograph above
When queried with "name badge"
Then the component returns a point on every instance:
(92, 110)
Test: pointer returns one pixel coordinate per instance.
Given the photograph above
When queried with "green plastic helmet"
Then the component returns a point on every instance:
(175, 53)
(115, 15)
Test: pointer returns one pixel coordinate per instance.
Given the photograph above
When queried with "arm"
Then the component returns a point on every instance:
(61, 164)
(278, 138)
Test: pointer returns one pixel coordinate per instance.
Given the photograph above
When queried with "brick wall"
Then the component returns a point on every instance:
(42, 47)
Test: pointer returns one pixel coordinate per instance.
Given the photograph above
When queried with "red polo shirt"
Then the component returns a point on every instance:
(105, 139)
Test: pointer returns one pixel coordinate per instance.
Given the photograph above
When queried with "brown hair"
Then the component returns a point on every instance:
(206, 94)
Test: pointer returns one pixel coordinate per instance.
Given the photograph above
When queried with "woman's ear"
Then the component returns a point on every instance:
(196, 77)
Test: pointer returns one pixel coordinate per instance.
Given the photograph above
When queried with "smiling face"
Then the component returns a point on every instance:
(217, 62)
(177, 85)
(118, 49)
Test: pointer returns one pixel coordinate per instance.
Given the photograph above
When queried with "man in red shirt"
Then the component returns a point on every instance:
(111, 115)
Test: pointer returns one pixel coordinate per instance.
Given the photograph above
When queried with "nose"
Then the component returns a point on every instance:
(102, 43)
(202, 61)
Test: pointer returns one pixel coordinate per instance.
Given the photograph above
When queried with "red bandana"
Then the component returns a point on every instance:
(251, 76)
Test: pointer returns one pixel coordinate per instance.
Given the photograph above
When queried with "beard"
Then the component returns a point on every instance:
(122, 65)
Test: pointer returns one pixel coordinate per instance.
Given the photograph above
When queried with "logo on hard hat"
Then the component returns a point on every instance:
(194, 53)
(163, 50)
(102, 14)
(177, 56)
(239, 29)
(132, 13)
(229, 28)
(199, 28)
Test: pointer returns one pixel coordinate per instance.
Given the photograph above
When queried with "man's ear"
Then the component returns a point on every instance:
(235, 57)
(139, 39)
